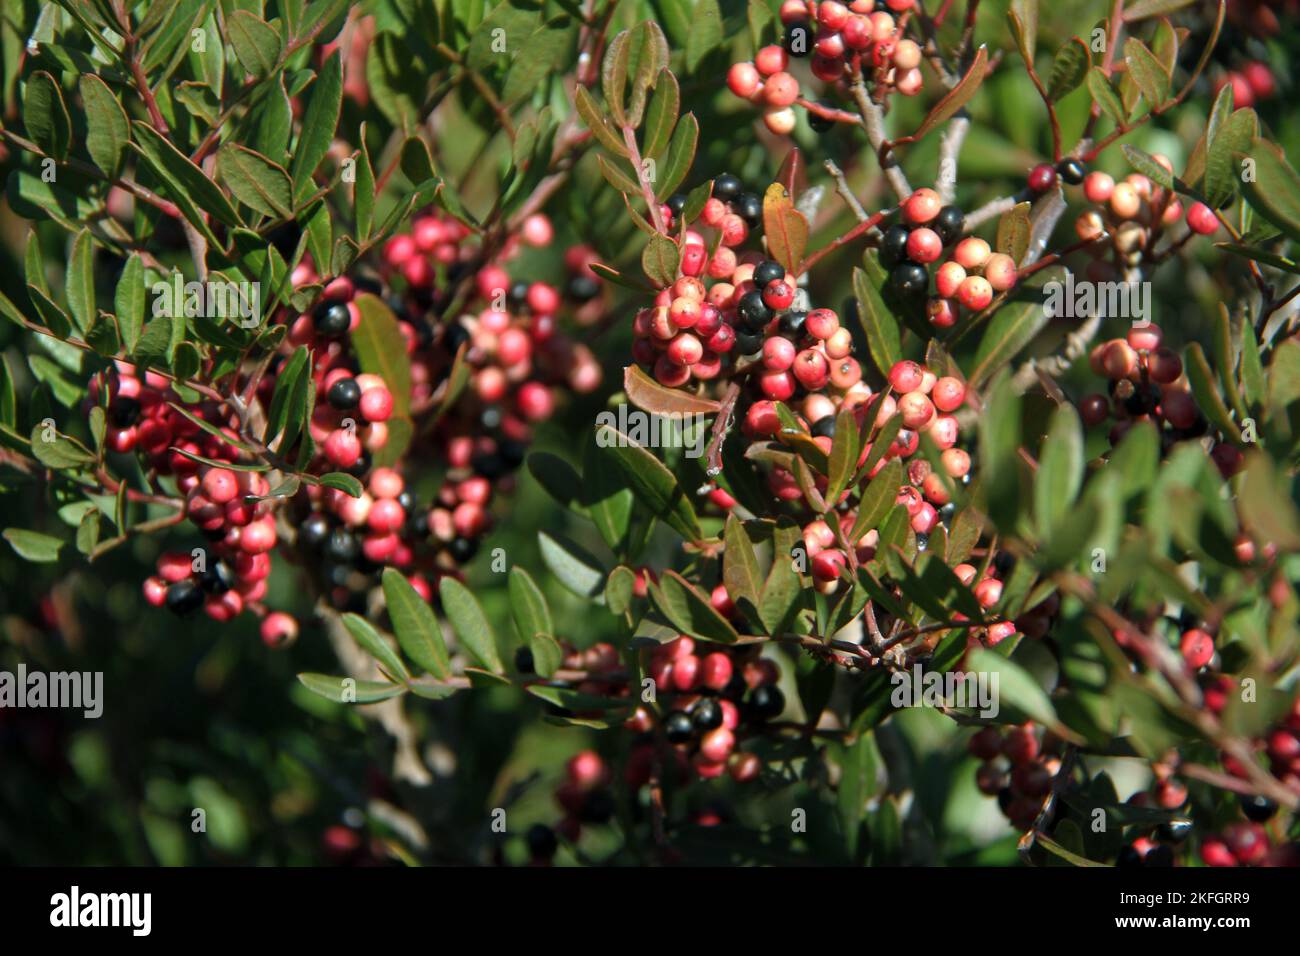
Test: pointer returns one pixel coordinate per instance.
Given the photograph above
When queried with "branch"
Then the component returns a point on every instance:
(873, 121)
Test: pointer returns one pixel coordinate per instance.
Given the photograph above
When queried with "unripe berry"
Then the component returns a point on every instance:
(779, 386)
(1125, 202)
(811, 369)
(534, 401)
(220, 485)
(743, 79)
(780, 90)
(948, 277)
(917, 410)
(1201, 219)
(972, 252)
(771, 60)
(924, 245)
(1000, 270)
(1197, 648)
(975, 293)
(343, 448)
(778, 353)
(278, 630)
(906, 376)
(922, 206)
(376, 404)
(822, 323)
(948, 394)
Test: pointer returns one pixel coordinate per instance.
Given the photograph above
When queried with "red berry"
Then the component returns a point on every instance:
(278, 630)
(922, 206)
(743, 80)
(1042, 178)
(1201, 219)
(924, 245)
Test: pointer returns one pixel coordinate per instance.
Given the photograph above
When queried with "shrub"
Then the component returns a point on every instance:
(906, 477)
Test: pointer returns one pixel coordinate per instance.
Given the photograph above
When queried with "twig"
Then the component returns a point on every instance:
(873, 121)
(721, 426)
(844, 192)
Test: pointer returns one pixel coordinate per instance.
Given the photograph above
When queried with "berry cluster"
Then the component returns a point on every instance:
(504, 335)
(1018, 768)
(968, 279)
(1129, 217)
(1147, 384)
(714, 697)
(860, 35)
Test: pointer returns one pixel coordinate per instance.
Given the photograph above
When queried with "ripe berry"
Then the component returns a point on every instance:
(678, 728)
(948, 224)
(184, 597)
(1071, 171)
(767, 272)
(893, 245)
(1042, 178)
(727, 187)
(766, 701)
(752, 311)
(909, 280)
(331, 319)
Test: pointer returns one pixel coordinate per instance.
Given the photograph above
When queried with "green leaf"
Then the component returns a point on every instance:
(1266, 503)
(1016, 686)
(342, 481)
(608, 502)
(999, 444)
(784, 227)
(46, 116)
(740, 571)
(256, 43)
(347, 690)
(33, 546)
(878, 499)
(1223, 172)
(652, 483)
(532, 619)
(1069, 68)
(660, 259)
(80, 288)
(619, 589)
(541, 55)
(363, 190)
(471, 626)
(185, 184)
(671, 172)
(779, 602)
(373, 643)
(844, 455)
(128, 302)
(884, 339)
(1274, 192)
(1147, 71)
(706, 33)
(1099, 87)
(107, 127)
(286, 417)
(381, 349)
(1013, 327)
(255, 181)
(88, 532)
(319, 123)
(415, 625)
(661, 116)
(596, 121)
(1060, 470)
(57, 451)
(572, 566)
(689, 610)
(1211, 403)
